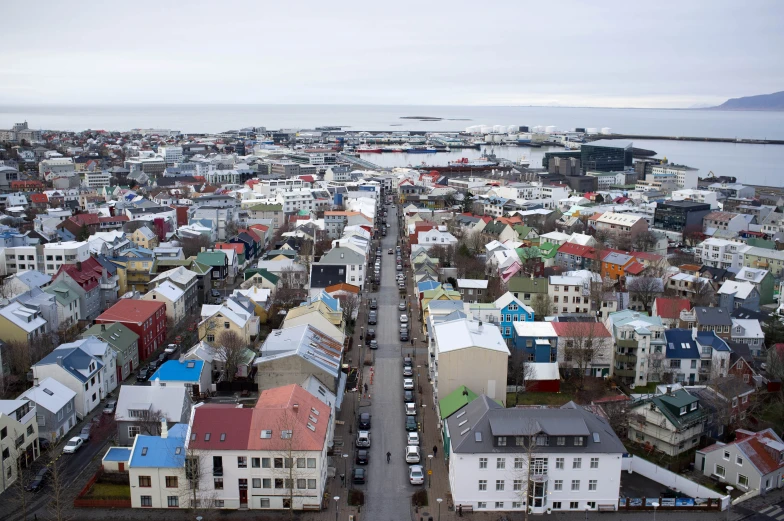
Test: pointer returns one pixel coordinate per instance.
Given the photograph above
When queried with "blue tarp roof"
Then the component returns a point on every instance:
(176, 371)
(118, 454)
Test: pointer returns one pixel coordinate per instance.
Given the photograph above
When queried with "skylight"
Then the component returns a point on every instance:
(477, 436)
(463, 432)
(207, 437)
(191, 365)
(193, 436)
(460, 414)
(286, 435)
(223, 436)
(311, 427)
(47, 391)
(144, 451)
(178, 450)
(596, 437)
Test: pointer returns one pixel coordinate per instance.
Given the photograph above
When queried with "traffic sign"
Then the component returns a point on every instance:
(429, 472)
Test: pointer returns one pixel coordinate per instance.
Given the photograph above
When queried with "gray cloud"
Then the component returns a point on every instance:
(604, 53)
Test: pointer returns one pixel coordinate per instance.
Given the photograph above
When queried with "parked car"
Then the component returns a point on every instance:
(416, 476)
(408, 396)
(161, 358)
(412, 454)
(370, 334)
(372, 318)
(404, 335)
(390, 251)
(399, 267)
(152, 367)
(44, 444)
(404, 319)
(410, 409)
(402, 305)
(364, 421)
(85, 433)
(358, 476)
(363, 439)
(73, 445)
(170, 350)
(143, 374)
(411, 424)
(215, 293)
(38, 481)
(412, 438)
(408, 383)
(373, 303)
(373, 344)
(407, 362)
(408, 371)
(110, 406)
(362, 457)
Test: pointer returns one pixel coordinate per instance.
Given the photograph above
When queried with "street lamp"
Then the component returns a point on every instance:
(361, 332)
(655, 505)
(730, 488)
(439, 500)
(345, 469)
(586, 513)
(429, 463)
(424, 406)
(337, 506)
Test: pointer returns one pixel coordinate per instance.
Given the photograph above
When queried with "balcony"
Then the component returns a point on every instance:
(626, 342)
(629, 373)
(539, 477)
(628, 359)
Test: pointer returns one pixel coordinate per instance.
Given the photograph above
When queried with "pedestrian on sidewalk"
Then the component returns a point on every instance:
(460, 510)
(435, 450)
(366, 388)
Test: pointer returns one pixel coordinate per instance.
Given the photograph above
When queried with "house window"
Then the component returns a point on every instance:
(558, 484)
(578, 441)
(556, 505)
(256, 482)
(501, 441)
(574, 505)
(146, 501)
(594, 463)
(482, 463)
(720, 471)
(173, 501)
(517, 484)
(242, 462)
(265, 463)
(218, 483)
(255, 462)
(575, 484)
(727, 455)
(559, 463)
(145, 481)
(311, 463)
(171, 481)
(500, 463)
(739, 460)
(591, 484)
(499, 504)
(499, 485)
(482, 485)
(743, 481)
(518, 463)
(481, 504)
(577, 463)
(561, 440)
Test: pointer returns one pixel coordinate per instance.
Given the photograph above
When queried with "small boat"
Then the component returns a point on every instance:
(421, 150)
(364, 149)
(524, 161)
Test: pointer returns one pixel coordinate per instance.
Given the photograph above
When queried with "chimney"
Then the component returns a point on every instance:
(295, 407)
(103, 327)
(669, 390)
(164, 428)
(60, 361)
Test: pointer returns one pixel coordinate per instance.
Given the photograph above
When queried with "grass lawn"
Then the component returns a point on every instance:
(513, 399)
(109, 491)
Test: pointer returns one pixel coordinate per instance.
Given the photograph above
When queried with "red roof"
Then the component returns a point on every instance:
(645, 255)
(87, 273)
(571, 248)
(671, 307)
(342, 286)
(83, 219)
(131, 310)
(220, 427)
(581, 329)
(236, 246)
(307, 178)
(756, 450)
(635, 268)
(113, 218)
(39, 198)
(262, 227)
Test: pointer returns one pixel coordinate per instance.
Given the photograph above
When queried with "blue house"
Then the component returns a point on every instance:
(512, 310)
(735, 294)
(537, 339)
(682, 356)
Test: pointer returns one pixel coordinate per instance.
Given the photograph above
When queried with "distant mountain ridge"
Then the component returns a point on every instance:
(773, 101)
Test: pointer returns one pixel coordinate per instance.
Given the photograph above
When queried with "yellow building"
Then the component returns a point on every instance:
(229, 316)
(19, 323)
(144, 238)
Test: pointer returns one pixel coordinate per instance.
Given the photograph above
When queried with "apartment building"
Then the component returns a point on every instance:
(543, 459)
(569, 294)
(721, 253)
(18, 439)
(621, 224)
(636, 335)
(56, 254)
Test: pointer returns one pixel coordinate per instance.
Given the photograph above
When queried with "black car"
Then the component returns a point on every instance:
(370, 334)
(411, 424)
(142, 375)
(372, 318)
(404, 335)
(362, 457)
(407, 362)
(44, 444)
(373, 303)
(364, 421)
(358, 476)
(408, 396)
(38, 481)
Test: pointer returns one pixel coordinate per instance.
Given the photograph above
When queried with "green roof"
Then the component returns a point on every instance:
(266, 208)
(527, 285)
(211, 258)
(456, 400)
(522, 231)
(548, 250)
(761, 243)
(62, 293)
(262, 272)
(116, 335)
(670, 406)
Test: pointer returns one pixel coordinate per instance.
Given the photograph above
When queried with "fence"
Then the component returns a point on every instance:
(675, 482)
(236, 386)
(80, 502)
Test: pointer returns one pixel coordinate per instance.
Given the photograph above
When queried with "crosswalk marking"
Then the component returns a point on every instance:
(776, 510)
(780, 517)
(766, 509)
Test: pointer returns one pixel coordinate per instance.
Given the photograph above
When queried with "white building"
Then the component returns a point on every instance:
(569, 294)
(295, 200)
(79, 371)
(685, 177)
(574, 463)
(18, 439)
(698, 196)
(97, 179)
(171, 154)
(68, 252)
(721, 253)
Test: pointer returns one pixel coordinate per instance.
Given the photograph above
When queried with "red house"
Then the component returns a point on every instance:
(145, 318)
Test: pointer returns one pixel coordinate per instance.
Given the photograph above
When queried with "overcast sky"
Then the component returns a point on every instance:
(579, 53)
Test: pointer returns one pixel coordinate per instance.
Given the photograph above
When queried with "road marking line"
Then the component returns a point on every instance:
(780, 517)
(765, 509)
(776, 510)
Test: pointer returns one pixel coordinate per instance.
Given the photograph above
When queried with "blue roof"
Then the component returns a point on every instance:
(118, 454)
(158, 452)
(74, 360)
(176, 371)
(326, 298)
(709, 338)
(680, 344)
(427, 285)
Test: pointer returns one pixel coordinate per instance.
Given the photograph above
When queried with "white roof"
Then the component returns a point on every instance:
(534, 329)
(560, 280)
(740, 289)
(555, 236)
(543, 371)
(40, 394)
(618, 218)
(464, 333)
(21, 316)
(582, 239)
(228, 309)
(751, 274)
(169, 399)
(472, 283)
(180, 275)
(169, 291)
(254, 293)
(752, 327)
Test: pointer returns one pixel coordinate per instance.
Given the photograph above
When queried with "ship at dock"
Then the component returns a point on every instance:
(465, 165)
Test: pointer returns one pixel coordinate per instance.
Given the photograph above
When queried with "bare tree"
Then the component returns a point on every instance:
(584, 345)
(287, 459)
(230, 229)
(529, 472)
(495, 288)
(305, 254)
(59, 500)
(349, 303)
(644, 241)
(230, 350)
(193, 245)
(198, 477)
(645, 290)
(520, 370)
(22, 475)
(704, 295)
(775, 360)
(617, 413)
(656, 366)
(692, 235)
(150, 422)
(542, 305)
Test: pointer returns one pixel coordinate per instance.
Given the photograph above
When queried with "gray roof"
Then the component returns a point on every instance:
(712, 316)
(474, 427)
(342, 255)
(33, 278)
